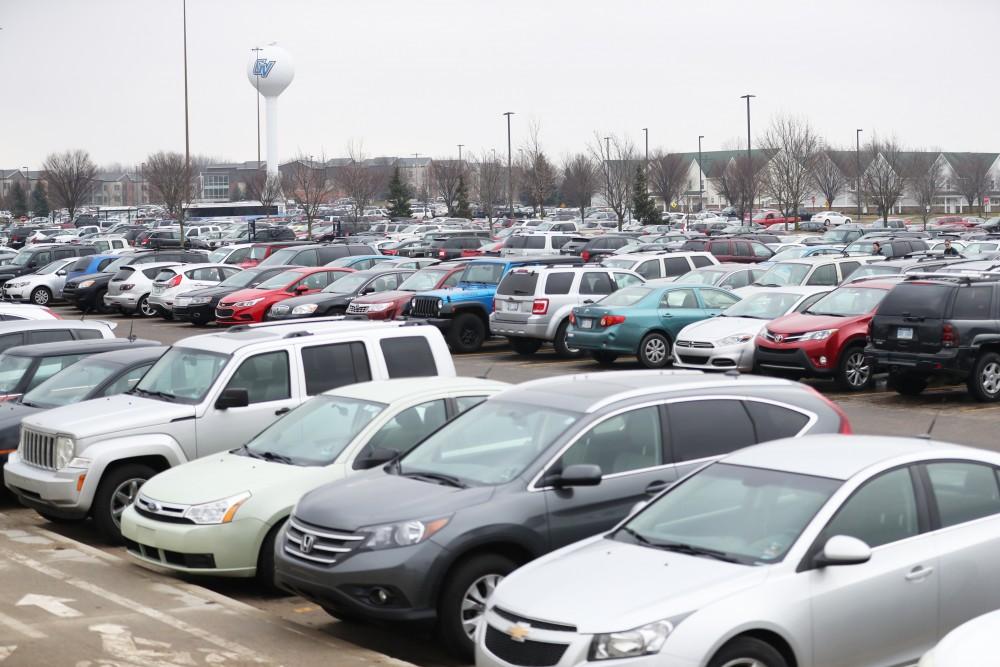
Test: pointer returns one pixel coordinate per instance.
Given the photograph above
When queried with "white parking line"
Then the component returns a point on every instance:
(18, 626)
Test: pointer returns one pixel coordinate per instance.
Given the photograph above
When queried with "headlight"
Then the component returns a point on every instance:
(65, 447)
(199, 300)
(20, 284)
(736, 339)
(631, 643)
(248, 303)
(440, 304)
(86, 283)
(379, 307)
(217, 511)
(404, 534)
(304, 309)
(818, 335)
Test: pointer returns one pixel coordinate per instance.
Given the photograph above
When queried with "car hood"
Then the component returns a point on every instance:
(214, 292)
(969, 643)
(376, 497)
(114, 414)
(637, 585)
(318, 297)
(247, 294)
(719, 327)
(383, 297)
(800, 322)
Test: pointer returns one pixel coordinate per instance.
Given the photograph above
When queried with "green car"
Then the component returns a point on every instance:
(643, 320)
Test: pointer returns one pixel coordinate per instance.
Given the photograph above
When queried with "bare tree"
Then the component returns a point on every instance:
(307, 184)
(446, 174)
(360, 182)
(615, 157)
(167, 178)
(264, 187)
(788, 173)
(972, 171)
(491, 183)
(70, 177)
(827, 178)
(728, 184)
(579, 183)
(885, 178)
(924, 180)
(667, 176)
(540, 176)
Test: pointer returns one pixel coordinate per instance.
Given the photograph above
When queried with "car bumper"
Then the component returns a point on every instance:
(242, 316)
(161, 303)
(799, 360)
(739, 357)
(946, 361)
(442, 323)
(602, 340)
(15, 293)
(228, 550)
(81, 297)
(201, 313)
(526, 329)
(125, 301)
(54, 491)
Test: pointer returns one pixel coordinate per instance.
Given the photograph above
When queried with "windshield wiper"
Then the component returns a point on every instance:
(274, 456)
(438, 477)
(638, 537)
(693, 550)
(768, 285)
(167, 396)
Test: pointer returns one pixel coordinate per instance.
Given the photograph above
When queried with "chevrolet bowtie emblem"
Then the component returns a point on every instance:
(519, 631)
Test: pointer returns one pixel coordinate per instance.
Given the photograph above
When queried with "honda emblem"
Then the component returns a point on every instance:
(306, 546)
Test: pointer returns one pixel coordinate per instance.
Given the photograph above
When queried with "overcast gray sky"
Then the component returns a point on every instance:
(420, 76)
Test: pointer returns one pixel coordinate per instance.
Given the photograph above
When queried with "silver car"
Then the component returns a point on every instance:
(42, 286)
(129, 289)
(824, 551)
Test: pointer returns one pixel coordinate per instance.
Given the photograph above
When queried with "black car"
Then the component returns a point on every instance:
(18, 235)
(315, 255)
(198, 306)
(337, 296)
(34, 257)
(86, 292)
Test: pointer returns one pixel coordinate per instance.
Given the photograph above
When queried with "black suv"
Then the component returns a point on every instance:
(315, 255)
(892, 246)
(599, 246)
(939, 326)
(34, 257)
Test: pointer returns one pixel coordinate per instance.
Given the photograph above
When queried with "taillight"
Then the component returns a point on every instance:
(539, 306)
(572, 318)
(585, 255)
(949, 336)
(126, 287)
(175, 281)
(612, 320)
(441, 254)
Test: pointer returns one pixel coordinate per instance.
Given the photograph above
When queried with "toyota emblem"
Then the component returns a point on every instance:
(306, 545)
(778, 338)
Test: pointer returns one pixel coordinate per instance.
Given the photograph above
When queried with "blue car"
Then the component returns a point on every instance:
(89, 264)
(358, 262)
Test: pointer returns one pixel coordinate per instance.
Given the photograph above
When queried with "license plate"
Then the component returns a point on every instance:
(157, 289)
(904, 333)
(513, 306)
(586, 324)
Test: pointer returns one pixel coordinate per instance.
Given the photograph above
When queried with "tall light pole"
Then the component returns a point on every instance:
(748, 97)
(607, 147)
(857, 156)
(187, 135)
(27, 194)
(256, 76)
(460, 154)
(701, 177)
(646, 132)
(510, 170)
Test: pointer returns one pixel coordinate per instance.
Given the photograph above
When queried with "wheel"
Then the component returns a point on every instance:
(654, 351)
(41, 296)
(853, 372)
(463, 600)
(907, 384)
(748, 652)
(984, 383)
(467, 333)
(525, 346)
(117, 490)
(144, 308)
(52, 518)
(604, 358)
(265, 560)
(563, 349)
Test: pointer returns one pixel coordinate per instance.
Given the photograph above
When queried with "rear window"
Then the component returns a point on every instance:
(916, 300)
(517, 283)
(408, 357)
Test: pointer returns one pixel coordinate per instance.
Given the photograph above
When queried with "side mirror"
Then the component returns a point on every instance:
(299, 289)
(233, 398)
(61, 272)
(843, 550)
(368, 290)
(580, 474)
(374, 456)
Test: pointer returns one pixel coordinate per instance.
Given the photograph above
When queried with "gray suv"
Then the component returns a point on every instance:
(536, 467)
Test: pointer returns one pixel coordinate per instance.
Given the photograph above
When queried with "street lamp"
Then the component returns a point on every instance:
(748, 97)
(646, 131)
(460, 154)
(187, 135)
(701, 179)
(857, 156)
(510, 181)
(27, 197)
(607, 147)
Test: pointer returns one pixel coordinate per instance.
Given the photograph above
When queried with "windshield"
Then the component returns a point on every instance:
(52, 267)
(241, 279)
(11, 371)
(700, 277)
(71, 385)
(422, 280)
(837, 235)
(280, 280)
(182, 374)
(748, 515)
(219, 256)
(411, 229)
(118, 264)
(315, 433)
(490, 444)
(781, 275)
(764, 306)
(350, 283)
(848, 302)
(788, 253)
(861, 247)
(20, 259)
(625, 297)
(482, 273)
(974, 248)
(279, 257)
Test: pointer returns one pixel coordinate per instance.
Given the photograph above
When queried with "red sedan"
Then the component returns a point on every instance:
(387, 305)
(251, 305)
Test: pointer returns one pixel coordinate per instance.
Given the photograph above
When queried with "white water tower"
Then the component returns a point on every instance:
(270, 70)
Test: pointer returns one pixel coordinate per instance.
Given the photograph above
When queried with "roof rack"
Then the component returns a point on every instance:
(969, 277)
(883, 276)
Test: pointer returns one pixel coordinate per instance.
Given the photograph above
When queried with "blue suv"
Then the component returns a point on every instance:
(89, 264)
(462, 313)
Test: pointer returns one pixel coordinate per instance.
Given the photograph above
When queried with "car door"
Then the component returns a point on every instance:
(629, 448)
(883, 612)
(679, 308)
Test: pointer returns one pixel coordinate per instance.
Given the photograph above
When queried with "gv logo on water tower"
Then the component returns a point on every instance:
(262, 67)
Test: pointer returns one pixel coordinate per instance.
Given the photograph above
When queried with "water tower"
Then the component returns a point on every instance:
(270, 70)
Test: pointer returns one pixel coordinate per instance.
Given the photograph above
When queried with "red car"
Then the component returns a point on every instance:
(387, 305)
(251, 305)
(827, 339)
(261, 251)
(768, 217)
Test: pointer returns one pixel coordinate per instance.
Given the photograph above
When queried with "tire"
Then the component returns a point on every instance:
(562, 347)
(908, 384)
(604, 358)
(467, 333)
(52, 518)
(41, 296)
(265, 561)
(108, 505)
(524, 346)
(144, 309)
(654, 351)
(747, 652)
(853, 372)
(984, 382)
(472, 580)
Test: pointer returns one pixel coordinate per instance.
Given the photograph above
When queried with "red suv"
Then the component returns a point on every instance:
(261, 251)
(387, 305)
(251, 305)
(728, 249)
(827, 339)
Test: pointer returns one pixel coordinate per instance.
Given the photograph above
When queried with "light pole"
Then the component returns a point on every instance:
(256, 83)
(857, 157)
(187, 135)
(748, 97)
(607, 147)
(460, 154)
(27, 194)
(510, 170)
(646, 131)
(701, 177)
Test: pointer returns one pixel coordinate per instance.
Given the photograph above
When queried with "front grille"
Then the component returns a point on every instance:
(37, 449)
(424, 306)
(157, 511)
(280, 309)
(781, 338)
(525, 653)
(700, 344)
(319, 546)
(533, 622)
(689, 359)
(780, 350)
(224, 313)
(358, 308)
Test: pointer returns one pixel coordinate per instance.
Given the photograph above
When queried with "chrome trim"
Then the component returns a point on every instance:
(330, 536)
(315, 559)
(316, 547)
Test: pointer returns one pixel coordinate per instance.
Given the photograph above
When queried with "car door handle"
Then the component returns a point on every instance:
(282, 411)
(656, 487)
(919, 573)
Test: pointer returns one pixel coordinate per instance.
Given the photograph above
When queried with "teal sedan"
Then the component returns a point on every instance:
(643, 320)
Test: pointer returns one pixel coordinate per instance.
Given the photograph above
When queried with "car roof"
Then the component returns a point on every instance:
(128, 355)
(803, 290)
(390, 391)
(60, 348)
(640, 256)
(15, 326)
(240, 336)
(206, 265)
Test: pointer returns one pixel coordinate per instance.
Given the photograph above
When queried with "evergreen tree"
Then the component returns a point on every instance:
(399, 197)
(18, 200)
(643, 208)
(462, 209)
(39, 201)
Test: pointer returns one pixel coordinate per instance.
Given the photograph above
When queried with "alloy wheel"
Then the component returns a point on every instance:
(990, 378)
(655, 350)
(146, 309)
(124, 496)
(857, 370)
(474, 601)
(469, 336)
(40, 297)
(744, 662)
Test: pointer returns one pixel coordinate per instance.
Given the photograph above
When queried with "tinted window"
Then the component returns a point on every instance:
(716, 299)
(50, 336)
(535, 242)
(596, 283)
(964, 491)
(10, 340)
(972, 303)
(518, 283)
(87, 334)
(823, 275)
(918, 300)
(773, 421)
(330, 366)
(558, 283)
(704, 428)
(307, 258)
(847, 268)
(408, 356)
(629, 441)
(264, 376)
(676, 266)
(742, 248)
(720, 248)
(649, 269)
(700, 261)
(884, 510)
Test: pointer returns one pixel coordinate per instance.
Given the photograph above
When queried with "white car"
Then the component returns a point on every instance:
(831, 218)
(24, 311)
(128, 290)
(820, 551)
(727, 341)
(42, 286)
(174, 280)
(967, 645)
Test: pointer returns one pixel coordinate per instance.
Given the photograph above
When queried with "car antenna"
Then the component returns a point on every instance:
(930, 428)
(131, 325)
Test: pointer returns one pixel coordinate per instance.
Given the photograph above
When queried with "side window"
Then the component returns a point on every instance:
(972, 303)
(387, 282)
(720, 248)
(823, 275)
(772, 422)
(559, 241)
(49, 367)
(558, 283)
(625, 280)
(49, 336)
(104, 262)
(238, 255)
(596, 282)
(452, 280)
(86, 334)
(408, 356)
(625, 442)
(649, 269)
(742, 249)
(700, 261)
(317, 280)
(149, 273)
(679, 298)
(736, 279)
(884, 510)
(307, 258)
(706, 428)
(264, 376)
(209, 273)
(10, 340)
(126, 381)
(717, 299)
(761, 250)
(463, 403)
(408, 427)
(964, 491)
(676, 266)
(847, 268)
(809, 301)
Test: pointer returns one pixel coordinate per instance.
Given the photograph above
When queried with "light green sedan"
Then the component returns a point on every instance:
(218, 515)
